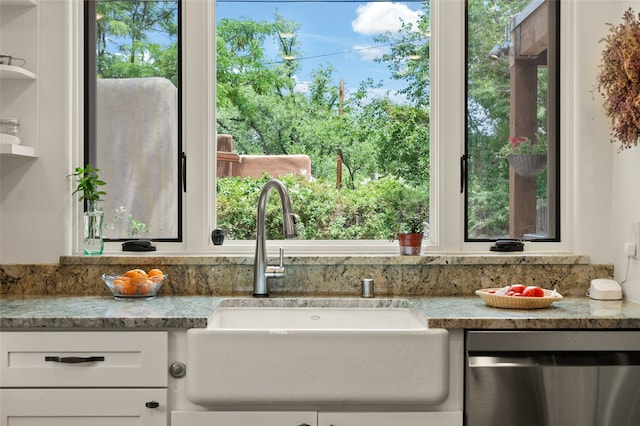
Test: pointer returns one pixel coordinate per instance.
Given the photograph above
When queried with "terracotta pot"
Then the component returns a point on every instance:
(410, 244)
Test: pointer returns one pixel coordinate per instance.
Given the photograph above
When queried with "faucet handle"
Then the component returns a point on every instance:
(276, 271)
(281, 258)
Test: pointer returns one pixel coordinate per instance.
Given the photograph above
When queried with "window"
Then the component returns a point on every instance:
(335, 92)
(512, 156)
(443, 91)
(133, 107)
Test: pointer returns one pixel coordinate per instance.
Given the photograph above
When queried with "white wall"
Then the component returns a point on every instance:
(35, 194)
(606, 204)
(36, 206)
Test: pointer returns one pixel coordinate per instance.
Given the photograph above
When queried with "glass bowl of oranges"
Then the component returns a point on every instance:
(136, 283)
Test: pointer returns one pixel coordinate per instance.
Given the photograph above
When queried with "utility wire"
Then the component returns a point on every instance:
(329, 54)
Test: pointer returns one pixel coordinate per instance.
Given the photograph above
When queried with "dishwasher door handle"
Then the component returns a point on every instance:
(501, 361)
(555, 359)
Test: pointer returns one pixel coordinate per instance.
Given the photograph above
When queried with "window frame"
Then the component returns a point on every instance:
(90, 118)
(446, 146)
(554, 110)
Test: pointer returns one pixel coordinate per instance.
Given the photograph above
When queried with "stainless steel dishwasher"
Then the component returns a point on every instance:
(552, 378)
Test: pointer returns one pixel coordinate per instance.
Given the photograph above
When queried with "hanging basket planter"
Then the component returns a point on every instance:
(528, 164)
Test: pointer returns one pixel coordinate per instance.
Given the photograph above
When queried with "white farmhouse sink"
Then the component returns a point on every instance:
(286, 319)
(278, 354)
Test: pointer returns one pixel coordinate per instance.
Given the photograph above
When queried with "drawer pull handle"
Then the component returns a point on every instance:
(73, 359)
(152, 404)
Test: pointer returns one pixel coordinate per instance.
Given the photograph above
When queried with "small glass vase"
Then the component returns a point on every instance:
(93, 241)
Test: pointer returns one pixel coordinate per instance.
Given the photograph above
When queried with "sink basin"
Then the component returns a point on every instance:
(290, 319)
(316, 353)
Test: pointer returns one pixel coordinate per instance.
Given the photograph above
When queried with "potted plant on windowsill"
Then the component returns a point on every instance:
(88, 188)
(411, 215)
(526, 157)
(410, 235)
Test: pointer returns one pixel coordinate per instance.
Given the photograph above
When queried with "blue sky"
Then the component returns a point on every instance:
(341, 33)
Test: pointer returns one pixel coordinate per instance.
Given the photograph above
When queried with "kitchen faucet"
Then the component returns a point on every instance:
(262, 271)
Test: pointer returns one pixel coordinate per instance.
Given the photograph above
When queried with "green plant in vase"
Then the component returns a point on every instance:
(88, 190)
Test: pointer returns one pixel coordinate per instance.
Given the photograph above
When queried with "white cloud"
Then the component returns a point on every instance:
(369, 53)
(301, 86)
(378, 17)
(374, 93)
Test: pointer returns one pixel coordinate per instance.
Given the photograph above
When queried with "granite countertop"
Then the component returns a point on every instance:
(103, 312)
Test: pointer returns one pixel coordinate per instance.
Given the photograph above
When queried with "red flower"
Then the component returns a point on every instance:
(515, 141)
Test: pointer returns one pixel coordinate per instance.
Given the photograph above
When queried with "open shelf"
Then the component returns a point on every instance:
(18, 3)
(20, 33)
(11, 72)
(17, 150)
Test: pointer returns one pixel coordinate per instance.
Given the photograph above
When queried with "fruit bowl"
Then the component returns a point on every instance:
(134, 284)
(491, 298)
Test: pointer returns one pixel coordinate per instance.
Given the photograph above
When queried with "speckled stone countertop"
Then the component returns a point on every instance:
(104, 312)
(394, 276)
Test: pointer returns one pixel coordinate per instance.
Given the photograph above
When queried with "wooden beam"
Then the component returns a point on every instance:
(531, 33)
(523, 122)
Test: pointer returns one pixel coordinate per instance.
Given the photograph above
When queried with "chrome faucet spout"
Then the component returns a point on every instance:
(261, 271)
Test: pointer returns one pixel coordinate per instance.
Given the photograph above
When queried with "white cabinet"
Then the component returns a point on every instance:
(447, 418)
(96, 378)
(243, 418)
(19, 32)
(312, 418)
(83, 407)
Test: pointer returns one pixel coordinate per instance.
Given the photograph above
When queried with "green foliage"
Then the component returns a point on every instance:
(408, 58)
(521, 145)
(371, 211)
(265, 115)
(88, 184)
(488, 113)
(134, 227)
(129, 22)
(258, 104)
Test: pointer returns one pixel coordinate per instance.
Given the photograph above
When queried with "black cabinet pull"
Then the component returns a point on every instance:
(152, 404)
(73, 359)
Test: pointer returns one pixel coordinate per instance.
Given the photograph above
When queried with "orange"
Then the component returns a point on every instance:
(118, 284)
(145, 288)
(155, 273)
(123, 285)
(136, 273)
(138, 281)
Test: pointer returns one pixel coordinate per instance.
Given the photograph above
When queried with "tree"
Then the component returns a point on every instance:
(408, 58)
(127, 24)
(488, 114)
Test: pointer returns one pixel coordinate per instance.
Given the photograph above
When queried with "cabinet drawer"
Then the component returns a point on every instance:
(243, 418)
(434, 418)
(83, 359)
(83, 407)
